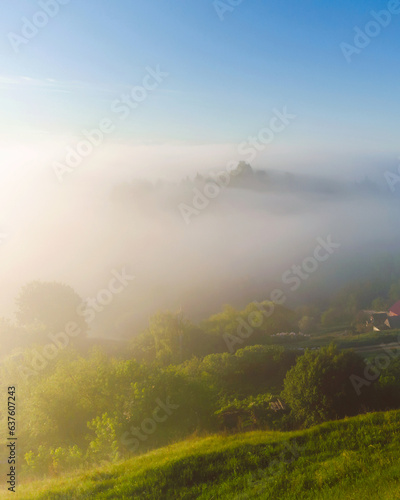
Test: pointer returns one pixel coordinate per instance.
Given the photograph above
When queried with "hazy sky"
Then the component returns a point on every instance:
(215, 76)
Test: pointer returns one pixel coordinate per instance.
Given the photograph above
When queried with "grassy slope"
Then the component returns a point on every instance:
(352, 459)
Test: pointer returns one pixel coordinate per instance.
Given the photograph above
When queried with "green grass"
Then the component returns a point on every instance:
(356, 458)
(343, 340)
(369, 339)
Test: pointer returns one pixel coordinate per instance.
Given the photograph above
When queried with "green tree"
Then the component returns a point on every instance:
(48, 304)
(319, 388)
(171, 339)
(104, 447)
(335, 316)
(380, 304)
(307, 324)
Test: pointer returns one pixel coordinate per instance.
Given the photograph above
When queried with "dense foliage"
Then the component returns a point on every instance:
(80, 406)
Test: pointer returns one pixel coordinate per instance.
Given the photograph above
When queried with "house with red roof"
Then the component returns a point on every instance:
(381, 320)
(395, 309)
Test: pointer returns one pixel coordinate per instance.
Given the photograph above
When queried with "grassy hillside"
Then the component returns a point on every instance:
(353, 458)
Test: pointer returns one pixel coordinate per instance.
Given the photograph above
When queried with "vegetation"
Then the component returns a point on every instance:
(317, 388)
(230, 373)
(349, 459)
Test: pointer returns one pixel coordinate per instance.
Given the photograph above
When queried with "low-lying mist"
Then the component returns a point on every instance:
(192, 245)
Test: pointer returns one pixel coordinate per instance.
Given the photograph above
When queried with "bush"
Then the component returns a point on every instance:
(54, 460)
(319, 388)
(105, 446)
(248, 414)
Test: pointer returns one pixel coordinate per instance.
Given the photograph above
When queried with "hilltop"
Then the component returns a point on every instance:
(348, 459)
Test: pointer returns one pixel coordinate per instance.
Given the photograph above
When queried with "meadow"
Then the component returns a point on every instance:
(349, 459)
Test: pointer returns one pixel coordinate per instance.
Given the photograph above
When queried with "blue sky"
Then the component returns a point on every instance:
(225, 77)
